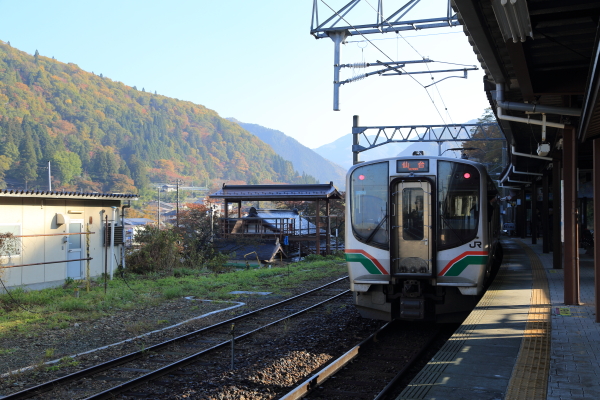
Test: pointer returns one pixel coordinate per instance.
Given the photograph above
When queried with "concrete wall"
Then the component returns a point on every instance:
(37, 216)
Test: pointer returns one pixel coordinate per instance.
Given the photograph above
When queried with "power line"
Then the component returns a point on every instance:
(412, 36)
(420, 55)
(382, 52)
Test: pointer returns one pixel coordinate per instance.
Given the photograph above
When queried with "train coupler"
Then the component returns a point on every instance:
(412, 303)
(412, 308)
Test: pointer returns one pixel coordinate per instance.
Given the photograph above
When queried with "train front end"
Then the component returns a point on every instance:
(415, 244)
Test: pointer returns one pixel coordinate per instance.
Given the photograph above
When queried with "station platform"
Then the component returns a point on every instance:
(521, 341)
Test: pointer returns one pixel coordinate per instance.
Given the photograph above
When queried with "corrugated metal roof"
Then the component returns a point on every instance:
(47, 194)
(277, 192)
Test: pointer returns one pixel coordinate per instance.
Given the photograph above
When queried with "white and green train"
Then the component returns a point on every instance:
(422, 237)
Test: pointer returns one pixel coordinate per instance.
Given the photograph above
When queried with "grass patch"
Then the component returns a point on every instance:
(30, 312)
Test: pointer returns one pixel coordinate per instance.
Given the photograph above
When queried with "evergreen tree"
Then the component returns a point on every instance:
(27, 166)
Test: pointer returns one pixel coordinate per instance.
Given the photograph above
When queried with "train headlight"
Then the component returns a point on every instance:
(413, 270)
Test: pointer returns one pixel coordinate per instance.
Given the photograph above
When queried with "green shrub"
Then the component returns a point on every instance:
(73, 305)
(173, 292)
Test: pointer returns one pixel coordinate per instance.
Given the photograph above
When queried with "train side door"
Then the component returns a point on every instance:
(413, 225)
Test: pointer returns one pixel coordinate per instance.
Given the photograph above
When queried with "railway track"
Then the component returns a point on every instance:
(207, 347)
(373, 368)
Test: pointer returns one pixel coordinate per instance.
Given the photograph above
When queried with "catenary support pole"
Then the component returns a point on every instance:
(338, 38)
(355, 140)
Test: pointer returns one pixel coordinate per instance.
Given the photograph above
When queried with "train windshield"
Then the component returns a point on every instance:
(459, 203)
(368, 202)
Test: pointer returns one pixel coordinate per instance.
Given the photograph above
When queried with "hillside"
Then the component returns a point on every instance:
(303, 159)
(102, 135)
(340, 151)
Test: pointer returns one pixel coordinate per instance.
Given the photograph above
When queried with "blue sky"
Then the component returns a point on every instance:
(252, 60)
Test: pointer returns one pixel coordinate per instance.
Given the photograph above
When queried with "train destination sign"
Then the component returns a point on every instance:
(412, 166)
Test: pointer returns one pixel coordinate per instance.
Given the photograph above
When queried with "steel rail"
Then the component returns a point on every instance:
(111, 393)
(46, 386)
(332, 368)
(311, 383)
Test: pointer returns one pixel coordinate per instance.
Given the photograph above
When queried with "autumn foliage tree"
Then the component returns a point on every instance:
(489, 152)
(48, 107)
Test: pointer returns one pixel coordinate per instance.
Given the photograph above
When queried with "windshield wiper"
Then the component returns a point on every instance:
(376, 229)
(448, 225)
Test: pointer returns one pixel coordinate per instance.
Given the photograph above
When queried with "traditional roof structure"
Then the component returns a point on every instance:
(277, 192)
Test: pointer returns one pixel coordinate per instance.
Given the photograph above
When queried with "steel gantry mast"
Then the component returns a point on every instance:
(337, 28)
(376, 136)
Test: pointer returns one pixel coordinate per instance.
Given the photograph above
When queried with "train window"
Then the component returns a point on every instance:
(368, 202)
(459, 203)
(412, 214)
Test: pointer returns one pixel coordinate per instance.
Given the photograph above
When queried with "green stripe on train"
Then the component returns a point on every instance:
(365, 261)
(458, 267)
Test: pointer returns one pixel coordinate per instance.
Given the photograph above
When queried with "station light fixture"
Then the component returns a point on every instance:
(513, 19)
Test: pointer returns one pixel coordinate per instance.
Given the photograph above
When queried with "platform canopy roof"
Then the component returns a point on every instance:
(553, 63)
(231, 193)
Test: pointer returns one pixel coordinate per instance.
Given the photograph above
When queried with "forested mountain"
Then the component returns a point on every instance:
(303, 159)
(102, 135)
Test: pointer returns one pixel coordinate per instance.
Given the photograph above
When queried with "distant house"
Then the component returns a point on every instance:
(59, 235)
(132, 225)
(288, 222)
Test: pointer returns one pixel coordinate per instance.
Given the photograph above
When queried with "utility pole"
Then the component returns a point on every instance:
(158, 208)
(49, 177)
(177, 216)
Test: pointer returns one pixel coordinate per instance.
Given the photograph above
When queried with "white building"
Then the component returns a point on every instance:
(132, 225)
(60, 235)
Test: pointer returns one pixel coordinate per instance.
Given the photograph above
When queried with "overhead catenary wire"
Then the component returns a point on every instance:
(382, 52)
(420, 55)
(412, 36)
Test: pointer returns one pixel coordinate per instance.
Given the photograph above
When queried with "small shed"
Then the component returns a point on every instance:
(286, 226)
(59, 235)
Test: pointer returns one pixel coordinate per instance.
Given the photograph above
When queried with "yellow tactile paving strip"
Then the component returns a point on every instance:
(529, 379)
